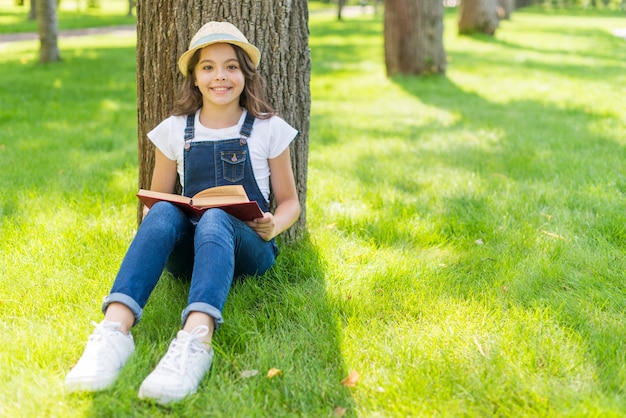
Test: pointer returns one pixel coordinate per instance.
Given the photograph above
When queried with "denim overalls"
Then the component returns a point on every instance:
(212, 250)
(219, 163)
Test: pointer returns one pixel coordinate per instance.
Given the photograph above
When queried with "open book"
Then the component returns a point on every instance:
(231, 199)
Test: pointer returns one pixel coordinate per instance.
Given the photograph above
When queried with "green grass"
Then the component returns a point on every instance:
(71, 14)
(466, 233)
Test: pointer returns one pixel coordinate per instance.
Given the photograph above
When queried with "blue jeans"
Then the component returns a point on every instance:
(213, 251)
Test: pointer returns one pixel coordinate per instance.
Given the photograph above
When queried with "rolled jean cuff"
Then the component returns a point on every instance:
(210, 310)
(124, 300)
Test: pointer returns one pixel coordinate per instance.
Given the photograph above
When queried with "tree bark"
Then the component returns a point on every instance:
(278, 29)
(340, 4)
(414, 37)
(32, 13)
(478, 16)
(48, 31)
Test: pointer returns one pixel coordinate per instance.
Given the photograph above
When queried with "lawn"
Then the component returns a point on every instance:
(71, 14)
(466, 241)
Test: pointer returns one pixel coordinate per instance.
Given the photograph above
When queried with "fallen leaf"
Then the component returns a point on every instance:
(339, 411)
(248, 373)
(351, 379)
(273, 372)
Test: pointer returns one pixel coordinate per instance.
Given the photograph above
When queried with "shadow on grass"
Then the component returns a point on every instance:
(603, 41)
(18, 21)
(547, 270)
(70, 152)
(68, 129)
(523, 228)
(280, 320)
(347, 42)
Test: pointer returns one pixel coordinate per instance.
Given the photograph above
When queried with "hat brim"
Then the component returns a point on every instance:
(218, 38)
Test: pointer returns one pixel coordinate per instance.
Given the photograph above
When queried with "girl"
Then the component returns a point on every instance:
(222, 131)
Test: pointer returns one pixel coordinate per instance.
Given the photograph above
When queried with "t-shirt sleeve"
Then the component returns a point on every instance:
(161, 137)
(282, 135)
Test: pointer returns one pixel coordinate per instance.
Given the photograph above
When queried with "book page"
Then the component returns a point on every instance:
(236, 190)
(212, 201)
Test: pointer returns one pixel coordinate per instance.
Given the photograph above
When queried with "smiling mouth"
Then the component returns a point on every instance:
(220, 89)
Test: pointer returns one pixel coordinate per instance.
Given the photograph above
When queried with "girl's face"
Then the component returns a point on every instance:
(218, 76)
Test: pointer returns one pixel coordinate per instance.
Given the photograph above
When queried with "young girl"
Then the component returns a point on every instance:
(221, 132)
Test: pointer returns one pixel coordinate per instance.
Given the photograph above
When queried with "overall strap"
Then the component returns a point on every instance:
(189, 129)
(246, 129)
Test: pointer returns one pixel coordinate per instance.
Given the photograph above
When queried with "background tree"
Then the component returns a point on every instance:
(478, 16)
(48, 26)
(278, 29)
(414, 37)
(340, 4)
(32, 13)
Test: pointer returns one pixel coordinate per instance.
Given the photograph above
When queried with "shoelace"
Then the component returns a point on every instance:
(96, 339)
(176, 357)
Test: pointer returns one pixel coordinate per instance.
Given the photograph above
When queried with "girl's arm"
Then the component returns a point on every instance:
(164, 175)
(286, 196)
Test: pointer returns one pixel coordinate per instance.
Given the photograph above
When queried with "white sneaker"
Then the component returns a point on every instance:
(180, 371)
(107, 350)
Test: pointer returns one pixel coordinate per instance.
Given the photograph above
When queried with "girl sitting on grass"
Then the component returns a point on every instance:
(222, 132)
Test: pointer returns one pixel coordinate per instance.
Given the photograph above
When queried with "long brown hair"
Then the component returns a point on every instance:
(252, 98)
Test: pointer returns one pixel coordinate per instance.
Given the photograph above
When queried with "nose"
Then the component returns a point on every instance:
(221, 74)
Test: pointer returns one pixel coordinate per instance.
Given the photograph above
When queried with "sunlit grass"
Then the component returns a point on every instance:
(71, 14)
(483, 201)
(466, 233)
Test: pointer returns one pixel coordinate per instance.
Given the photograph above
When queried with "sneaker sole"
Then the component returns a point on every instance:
(79, 385)
(156, 394)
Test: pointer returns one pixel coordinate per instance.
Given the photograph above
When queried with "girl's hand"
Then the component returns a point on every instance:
(286, 198)
(145, 212)
(265, 226)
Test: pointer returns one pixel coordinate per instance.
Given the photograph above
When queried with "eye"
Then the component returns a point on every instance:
(207, 67)
(232, 67)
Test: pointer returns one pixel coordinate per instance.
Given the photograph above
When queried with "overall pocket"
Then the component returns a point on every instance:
(233, 163)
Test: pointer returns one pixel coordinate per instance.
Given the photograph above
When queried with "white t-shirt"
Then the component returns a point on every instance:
(269, 138)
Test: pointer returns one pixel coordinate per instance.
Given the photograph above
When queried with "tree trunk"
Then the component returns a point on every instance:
(478, 16)
(278, 29)
(414, 37)
(340, 4)
(32, 13)
(48, 31)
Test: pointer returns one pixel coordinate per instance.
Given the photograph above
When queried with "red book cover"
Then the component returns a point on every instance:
(246, 211)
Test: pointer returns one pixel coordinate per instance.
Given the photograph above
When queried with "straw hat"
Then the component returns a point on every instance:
(218, 32)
